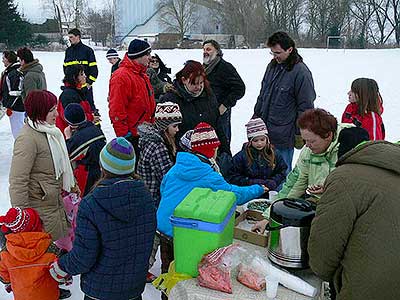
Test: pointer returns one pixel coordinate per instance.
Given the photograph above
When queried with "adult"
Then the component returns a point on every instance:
(10, 91)
(80, 54)
(161, 69)
(113, 58)
(196, 101)
(72, 92)
(354, 239)
(40, 166)
(225, 82)
(131, 96)
(287, 90)
(34, 77)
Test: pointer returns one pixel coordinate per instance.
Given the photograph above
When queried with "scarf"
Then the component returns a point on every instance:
(194, 95)
(210, 67)
(59, 152)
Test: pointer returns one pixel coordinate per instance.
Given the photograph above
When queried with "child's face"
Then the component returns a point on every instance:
(259, 142)
(352, 96)
(172, 129)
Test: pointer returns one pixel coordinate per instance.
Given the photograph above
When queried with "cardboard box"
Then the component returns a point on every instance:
(248, 235)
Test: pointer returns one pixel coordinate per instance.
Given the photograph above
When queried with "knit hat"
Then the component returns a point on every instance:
(349, 138)
(112, 53)
(256, 127)
(166, 114)
(185, 141)
(21, 220)
(118, 157)
(138, 48)
(204, 140)
(74, 114)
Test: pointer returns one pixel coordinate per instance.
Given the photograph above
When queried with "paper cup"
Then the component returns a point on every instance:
(272, 195)
(271, 286)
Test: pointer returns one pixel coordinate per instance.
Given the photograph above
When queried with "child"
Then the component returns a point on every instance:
(115, 231)
(257, 162)
(29, 252)
(158, 154)
(365, 108)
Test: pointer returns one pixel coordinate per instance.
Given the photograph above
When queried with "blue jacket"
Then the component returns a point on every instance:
(113, 240)
(259, 172)
(191, 171)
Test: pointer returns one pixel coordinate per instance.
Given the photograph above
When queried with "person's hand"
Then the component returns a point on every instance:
(259, 227)
(222, 109)
(96, 119)
(266, 189)
(315, 189)
(76, 190)
(89, 86)
(169, 87)
(68, 132)
(298, 142)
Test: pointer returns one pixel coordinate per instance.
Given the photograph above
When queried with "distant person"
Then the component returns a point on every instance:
(80, 54)
(131, 96)
(161, 69)
(113, 58)
(365, 108)
(225, 82)
(10, 91)
(355, 236)
(158, 80)
(34, 78)
(287, 90)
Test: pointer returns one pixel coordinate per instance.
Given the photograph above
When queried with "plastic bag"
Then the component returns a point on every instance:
(250, 277)
(165, 282)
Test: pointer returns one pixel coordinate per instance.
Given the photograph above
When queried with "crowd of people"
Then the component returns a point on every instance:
(83, 206)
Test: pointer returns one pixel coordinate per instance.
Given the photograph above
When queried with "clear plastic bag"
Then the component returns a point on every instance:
(250, 277)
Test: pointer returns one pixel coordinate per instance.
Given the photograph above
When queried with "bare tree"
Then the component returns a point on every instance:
(178, 15)
(393, 14)
(378, 29)
(67, 10)
(362, 10)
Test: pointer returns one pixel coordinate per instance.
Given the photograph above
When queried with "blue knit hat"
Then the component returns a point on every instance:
(112, 53)
(74, 114)
(118, 157)
(138, 48)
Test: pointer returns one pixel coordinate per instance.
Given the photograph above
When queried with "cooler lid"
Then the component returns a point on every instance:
(293, 212)
(205, 205)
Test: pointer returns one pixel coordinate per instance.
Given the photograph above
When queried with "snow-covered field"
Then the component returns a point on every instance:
(333, 72)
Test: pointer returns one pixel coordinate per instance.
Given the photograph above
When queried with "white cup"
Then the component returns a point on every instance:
(271, 286)
(272, 195)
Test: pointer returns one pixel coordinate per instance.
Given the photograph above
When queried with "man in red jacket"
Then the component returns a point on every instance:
(131, 94)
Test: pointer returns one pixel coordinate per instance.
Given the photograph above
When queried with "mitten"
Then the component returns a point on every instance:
(58, 274)
(298, 142)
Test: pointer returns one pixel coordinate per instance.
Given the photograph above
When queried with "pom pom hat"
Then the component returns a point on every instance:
(256, 127)
(204, 140)
(118, 157)
(21, 220)
(167, 113)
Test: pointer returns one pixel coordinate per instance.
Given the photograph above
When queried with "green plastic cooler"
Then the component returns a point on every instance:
(202, 222)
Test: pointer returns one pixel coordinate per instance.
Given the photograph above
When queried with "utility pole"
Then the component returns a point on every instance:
(78, 11)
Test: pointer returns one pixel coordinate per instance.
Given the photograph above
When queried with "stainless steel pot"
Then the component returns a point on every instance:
(289, 227)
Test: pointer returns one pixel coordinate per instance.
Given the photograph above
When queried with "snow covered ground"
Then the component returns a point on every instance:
(333, 72)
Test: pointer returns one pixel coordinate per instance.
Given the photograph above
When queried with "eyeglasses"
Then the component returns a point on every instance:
(154, 61)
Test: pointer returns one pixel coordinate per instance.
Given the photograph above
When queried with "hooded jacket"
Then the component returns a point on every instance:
(34, 78)
(131, 98)
(355, 235)
(25, 264)
(113, 240)
(192, 171)
(11, 81)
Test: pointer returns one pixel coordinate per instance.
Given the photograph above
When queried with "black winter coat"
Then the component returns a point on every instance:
(203, 108)
(11, 80)
(70, 95)
(114, 236)
(226, 83)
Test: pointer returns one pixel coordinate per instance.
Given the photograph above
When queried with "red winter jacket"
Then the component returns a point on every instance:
(131, 98)
(371, 121)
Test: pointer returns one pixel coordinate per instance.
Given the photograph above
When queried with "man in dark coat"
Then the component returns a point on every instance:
(80, 54)
(287, 90)
(225, 82)
(113, 59)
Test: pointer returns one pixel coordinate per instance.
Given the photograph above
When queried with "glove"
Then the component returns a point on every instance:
(8, 287)
(298, 141)
(128, 135)
(169, 87)
(59, 275)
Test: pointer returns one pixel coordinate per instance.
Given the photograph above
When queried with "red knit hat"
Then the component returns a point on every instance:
(21, 220)
(204, 140)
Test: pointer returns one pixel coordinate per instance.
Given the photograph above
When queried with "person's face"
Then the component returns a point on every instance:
(52, 115)
(196, 86)
(74, 39)
(209, 53)
(316, 143)
(113, 60)
(172, 130)
(352, 96)
(154, 63)
(5, 61)
(82, 78)
(279, 54)
(144, 60)
(259, 142)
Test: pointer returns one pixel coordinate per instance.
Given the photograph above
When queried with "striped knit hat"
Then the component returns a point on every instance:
(256, 127)
(185, 142)
(167, 113)
(118, 157)
(112, 53)
(204, 140)
(21, 220)
(138, 48)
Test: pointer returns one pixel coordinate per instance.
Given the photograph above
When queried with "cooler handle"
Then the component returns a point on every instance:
(294, 203)
(181, 223)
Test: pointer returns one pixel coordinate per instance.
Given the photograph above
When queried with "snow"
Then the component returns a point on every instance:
(333, 72)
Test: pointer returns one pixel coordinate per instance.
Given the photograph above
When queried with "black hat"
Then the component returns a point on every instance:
(349, 138)
(215, 44)
(138, 48)
(74, 114)
(112, 53)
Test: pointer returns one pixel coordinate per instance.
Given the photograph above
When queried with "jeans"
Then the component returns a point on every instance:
(225, 121)
(287, 155)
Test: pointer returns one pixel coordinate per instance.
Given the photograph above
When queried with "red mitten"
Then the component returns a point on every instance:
(58, 274)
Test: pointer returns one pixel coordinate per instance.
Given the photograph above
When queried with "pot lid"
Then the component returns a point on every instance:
(293, 212)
